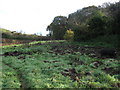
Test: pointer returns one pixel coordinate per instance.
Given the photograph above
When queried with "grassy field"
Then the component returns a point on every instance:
(58, 64)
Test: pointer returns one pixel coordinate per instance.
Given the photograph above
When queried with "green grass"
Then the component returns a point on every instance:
(42, 69)
(10, 79)
(109, 41)
(32, 43)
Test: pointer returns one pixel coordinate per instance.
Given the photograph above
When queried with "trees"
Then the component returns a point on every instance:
(114, 11)
(97, 24)
(88, 23)
(77, 21)
(81, 33)
(58, 27)
(81, 16)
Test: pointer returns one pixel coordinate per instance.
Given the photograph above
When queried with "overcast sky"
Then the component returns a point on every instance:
(33, 16)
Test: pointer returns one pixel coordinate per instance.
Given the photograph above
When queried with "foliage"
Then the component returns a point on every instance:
(60, 64)
(81, 16)
(89, 23)
(81, 33)
(97, 24)
(10, 79)
(114, 12)
(69, 35)
(7, 34)
(58, 27)
(43, 68)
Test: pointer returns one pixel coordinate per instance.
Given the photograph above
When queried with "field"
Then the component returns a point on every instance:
(58, 64)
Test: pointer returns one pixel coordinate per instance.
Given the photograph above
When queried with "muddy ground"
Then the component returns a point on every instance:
(61, 49)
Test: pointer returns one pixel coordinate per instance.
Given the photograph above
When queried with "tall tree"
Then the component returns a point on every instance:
(97, 24)
(81, 16)
(114, 12)
(58, 27)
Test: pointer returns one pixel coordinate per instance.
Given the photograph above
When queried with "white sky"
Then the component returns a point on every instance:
(33, 16)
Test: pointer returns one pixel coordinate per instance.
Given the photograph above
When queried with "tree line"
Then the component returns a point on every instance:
(88, 23)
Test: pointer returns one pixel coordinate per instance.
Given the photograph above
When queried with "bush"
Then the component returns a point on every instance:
(81, 33)
(98, 24)
(6, 35)
(69, 35)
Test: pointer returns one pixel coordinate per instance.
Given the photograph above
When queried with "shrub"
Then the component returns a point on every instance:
(69, 35)
(81, 33)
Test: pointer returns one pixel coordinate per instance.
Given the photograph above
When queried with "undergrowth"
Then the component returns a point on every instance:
(39, 66)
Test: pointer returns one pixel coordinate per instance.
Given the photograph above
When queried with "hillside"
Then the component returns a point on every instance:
(13, 37)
